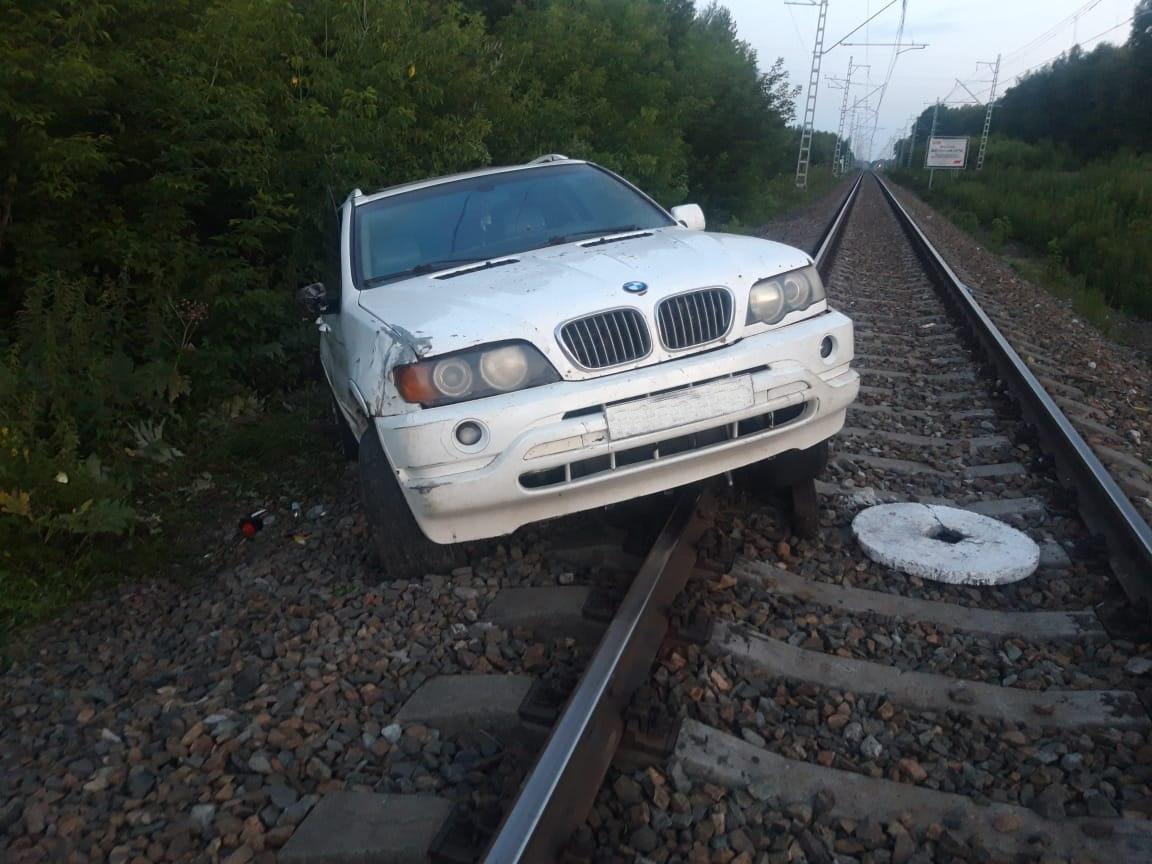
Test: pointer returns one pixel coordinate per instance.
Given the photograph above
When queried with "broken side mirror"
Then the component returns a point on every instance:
(314, 298)
(690, 216)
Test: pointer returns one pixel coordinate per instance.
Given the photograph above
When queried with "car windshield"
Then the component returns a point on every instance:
(480, 218)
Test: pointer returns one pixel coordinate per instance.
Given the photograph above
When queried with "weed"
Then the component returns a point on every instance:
(1091, 224)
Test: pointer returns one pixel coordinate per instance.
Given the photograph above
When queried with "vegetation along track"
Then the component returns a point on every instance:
(817, 706)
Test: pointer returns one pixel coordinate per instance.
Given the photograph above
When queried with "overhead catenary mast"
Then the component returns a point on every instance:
(805, 154)
(818, 52)
(836, 167)
(931, 135)
(988, 115)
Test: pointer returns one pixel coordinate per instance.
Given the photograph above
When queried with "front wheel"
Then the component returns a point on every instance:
(404, 551)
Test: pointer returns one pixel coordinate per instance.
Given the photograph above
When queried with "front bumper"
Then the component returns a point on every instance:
(548, 451)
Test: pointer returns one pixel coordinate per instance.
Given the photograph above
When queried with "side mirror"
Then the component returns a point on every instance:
(314, 298)
(690, 216)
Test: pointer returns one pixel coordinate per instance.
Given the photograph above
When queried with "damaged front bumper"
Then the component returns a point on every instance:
(575, 445)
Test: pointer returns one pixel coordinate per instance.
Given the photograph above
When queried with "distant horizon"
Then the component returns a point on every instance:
(1029, 33)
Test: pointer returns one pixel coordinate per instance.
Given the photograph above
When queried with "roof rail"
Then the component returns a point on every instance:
(548, 157)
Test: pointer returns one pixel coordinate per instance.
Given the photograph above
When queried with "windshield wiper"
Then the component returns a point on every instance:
(444, 264)
(595, 232)
(420, 269)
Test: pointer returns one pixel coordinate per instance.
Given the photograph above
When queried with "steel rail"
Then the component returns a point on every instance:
(555, 798)
(1101, 502)
(830, 239)
(557, 795)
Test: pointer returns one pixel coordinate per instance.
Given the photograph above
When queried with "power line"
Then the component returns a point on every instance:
(795, 26)
(1052, 31)
(1085, 42)
(891, 67)
(819, 51)
(857, 28)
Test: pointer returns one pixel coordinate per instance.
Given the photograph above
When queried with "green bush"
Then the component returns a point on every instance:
(168, 167)
(1096, 220)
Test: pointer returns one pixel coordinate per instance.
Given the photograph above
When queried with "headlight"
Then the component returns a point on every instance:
(473, 374)
(797, 290)
(766, 301)
(505, 368)
(771, 299)
(452, 377)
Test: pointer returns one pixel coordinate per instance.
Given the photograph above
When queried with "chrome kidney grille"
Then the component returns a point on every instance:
(606, 339)
(694, 318)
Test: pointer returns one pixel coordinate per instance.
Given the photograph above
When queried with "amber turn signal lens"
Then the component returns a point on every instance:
(414, 382)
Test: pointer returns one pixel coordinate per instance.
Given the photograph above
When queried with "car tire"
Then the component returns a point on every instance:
(403, 550)
(349, 445)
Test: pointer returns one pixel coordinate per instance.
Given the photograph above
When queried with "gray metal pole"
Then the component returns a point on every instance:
(931, 135)
(988, 116)
(843, 114)
(810, 104)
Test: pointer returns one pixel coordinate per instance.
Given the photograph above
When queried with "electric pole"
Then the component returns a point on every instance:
(836, 167)
(853, 127)
(912, 138)
(931, 135)
(988, 115)
(818, 53)
(810, 103)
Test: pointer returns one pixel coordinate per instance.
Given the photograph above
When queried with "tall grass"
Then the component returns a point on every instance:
(1093, 219)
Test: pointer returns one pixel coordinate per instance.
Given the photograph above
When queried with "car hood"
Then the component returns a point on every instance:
(529, 299)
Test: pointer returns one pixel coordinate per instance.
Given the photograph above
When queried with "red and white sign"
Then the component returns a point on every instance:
(946, 153)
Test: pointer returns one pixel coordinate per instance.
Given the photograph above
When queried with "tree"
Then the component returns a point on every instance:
(168, 167)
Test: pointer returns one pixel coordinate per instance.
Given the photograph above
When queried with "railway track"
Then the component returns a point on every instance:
(809, 704)
(725, 692)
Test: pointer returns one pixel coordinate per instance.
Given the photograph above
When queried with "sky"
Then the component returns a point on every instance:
(958, 34)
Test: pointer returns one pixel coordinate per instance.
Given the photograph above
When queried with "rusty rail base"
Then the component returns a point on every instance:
(558, 794)
(1101, 502)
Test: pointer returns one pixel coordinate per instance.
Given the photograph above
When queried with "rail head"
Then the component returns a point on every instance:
(556, 796)
(1102, 503)
(830, 239)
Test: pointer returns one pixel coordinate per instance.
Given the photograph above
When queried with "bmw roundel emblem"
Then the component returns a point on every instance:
(636, 287)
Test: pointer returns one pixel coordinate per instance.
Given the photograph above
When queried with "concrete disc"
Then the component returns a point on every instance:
(945, 544)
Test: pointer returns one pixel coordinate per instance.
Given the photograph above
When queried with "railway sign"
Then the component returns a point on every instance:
(950, 152)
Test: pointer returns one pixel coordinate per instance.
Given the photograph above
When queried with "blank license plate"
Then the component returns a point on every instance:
(679, 408)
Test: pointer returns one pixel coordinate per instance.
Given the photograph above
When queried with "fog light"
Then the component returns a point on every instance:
(469, 433)
(827, 346)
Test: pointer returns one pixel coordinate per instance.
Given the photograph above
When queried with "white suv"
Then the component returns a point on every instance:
(519, 343)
